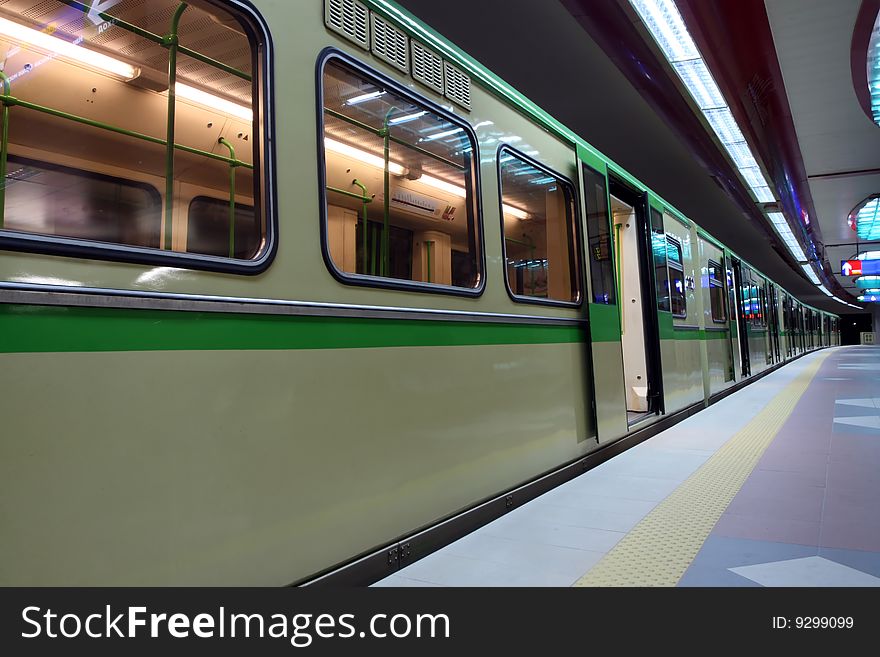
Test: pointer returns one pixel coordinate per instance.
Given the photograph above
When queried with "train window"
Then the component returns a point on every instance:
(400, 185)
(731, 296)
(216, 228)
(540, 239)
(599, 242)
(658, 252)
(104, 162)
(716, 293)
(676, 278)
(759, 305)
(66, 202)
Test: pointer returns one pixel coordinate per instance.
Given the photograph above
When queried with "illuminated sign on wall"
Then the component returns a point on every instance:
(860, 267)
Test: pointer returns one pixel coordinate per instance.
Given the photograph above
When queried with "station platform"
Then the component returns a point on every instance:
(777, 484)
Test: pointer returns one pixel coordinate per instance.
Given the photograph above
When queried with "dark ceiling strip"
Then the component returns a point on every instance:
(855, 242)
(845, 174)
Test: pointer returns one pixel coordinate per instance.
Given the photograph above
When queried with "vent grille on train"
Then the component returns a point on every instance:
(427, 66)
(350, 18)
(390, 44)
(457, 86)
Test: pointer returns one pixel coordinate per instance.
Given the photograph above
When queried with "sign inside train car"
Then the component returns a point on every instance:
(859, 267)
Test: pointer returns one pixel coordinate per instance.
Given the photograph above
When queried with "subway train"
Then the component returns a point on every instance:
(290, 289)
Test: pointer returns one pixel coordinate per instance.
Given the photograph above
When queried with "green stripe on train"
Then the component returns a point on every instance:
(604, 323)
(56, 328)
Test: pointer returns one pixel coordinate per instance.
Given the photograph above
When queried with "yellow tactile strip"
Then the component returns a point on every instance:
(661, 547)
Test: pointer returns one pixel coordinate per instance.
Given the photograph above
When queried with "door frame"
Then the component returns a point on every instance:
(639, 201)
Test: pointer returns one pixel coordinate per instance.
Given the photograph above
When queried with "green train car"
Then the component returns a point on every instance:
(285, 286)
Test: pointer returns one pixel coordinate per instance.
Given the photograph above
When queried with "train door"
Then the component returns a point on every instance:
(773, 319)
(603, 302)
(786, 324)
(633, 238)
(732, 318)
(742, 298)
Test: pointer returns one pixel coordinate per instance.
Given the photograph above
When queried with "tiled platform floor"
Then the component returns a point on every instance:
(806, 516)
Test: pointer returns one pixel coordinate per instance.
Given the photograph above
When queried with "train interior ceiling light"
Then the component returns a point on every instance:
(73, 50)
(666, 25)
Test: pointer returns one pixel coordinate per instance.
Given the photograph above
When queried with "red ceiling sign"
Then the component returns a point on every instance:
(851, 268)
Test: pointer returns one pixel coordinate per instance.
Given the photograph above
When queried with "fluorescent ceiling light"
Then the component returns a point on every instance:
(700, 83)
(781, 226)
(664, 21)
(763, 194)
(363, 97)
(869, 255)
(668, 28)
(457, 190)
(399, 170)
(407, 117)
(724, 125)
(515, 212)
(214, 102)
(362, 156)
(742, 156)
(825, 291)
(808, 270)
(67, 49)
(442, 185)
(440, 135)
(753, 177)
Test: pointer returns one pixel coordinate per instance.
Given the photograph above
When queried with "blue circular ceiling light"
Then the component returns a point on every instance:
(865, 218)
(874, 70)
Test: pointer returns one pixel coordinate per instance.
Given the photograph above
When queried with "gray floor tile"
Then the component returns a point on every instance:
(530, 530)
(525, 554)
(651, 489)
(396, 581)
(576, 497)
(665, 463)
(447, 569)
(580, 517)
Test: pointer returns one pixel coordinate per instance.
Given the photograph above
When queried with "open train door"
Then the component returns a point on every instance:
(603, 304)
(742, 325)
(636, 233)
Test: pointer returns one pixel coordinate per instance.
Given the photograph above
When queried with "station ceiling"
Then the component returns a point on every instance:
(593, 66)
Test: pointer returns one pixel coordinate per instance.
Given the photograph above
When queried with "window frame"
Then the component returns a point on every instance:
(364, 280)
(265, 181)
(721, 284)
(577, 246)
(680, 267)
